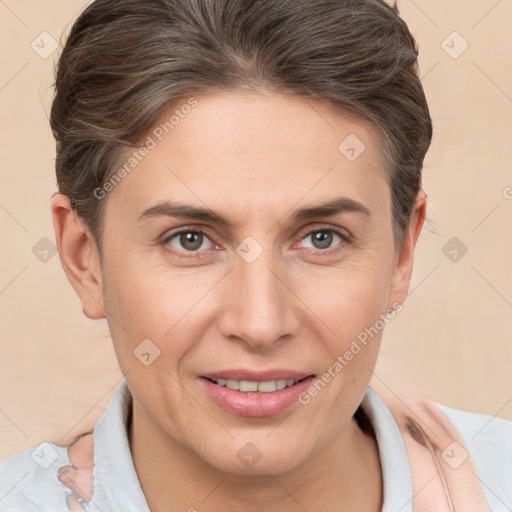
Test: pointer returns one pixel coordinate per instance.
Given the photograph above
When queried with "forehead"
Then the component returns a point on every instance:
(255, 151)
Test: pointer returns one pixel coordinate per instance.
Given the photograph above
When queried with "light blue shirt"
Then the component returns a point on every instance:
(29, 483)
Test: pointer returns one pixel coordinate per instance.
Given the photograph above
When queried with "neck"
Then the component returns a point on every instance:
(345, 475)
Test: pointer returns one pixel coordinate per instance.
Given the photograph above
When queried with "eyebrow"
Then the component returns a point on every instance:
(180, 210)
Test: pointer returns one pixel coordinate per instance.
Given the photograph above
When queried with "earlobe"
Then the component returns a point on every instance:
(79, 256)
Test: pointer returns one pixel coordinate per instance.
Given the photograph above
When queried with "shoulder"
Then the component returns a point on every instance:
(489, 441)
(29, 479)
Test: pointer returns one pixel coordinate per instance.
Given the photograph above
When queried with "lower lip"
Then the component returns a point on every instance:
(255, 404)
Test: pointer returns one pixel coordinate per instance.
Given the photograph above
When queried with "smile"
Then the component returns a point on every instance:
(256, 399)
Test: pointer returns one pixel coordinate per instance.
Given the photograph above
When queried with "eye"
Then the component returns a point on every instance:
(322, 238)
(189, 240)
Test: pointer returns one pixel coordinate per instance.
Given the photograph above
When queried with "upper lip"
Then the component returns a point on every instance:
(257, 376)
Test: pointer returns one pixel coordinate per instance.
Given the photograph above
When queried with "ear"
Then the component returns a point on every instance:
(79, 256)
(402, 271)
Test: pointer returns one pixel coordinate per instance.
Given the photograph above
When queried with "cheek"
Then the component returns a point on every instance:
(149, 296)
(350, 303)
(166, 306)
(348, 298)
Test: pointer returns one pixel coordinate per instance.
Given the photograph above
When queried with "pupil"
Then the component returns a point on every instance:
(191, 240)
(323, 238)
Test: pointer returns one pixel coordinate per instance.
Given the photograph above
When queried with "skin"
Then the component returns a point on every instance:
(254, 158)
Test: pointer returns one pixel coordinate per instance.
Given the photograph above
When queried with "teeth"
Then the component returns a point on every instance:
(233, 384)
(268, 386)
(281, 383)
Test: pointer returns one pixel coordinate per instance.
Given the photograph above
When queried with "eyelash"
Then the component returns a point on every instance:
(326, 229)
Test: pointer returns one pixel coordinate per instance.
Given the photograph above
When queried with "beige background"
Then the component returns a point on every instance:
(451, 342)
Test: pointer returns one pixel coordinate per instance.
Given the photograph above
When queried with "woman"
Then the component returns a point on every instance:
(240, 197)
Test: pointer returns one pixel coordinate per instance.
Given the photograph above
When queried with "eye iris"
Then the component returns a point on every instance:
(323, 238)
(193, 238)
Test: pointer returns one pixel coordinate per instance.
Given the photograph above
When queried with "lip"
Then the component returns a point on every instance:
(257, 376)
(255, 404)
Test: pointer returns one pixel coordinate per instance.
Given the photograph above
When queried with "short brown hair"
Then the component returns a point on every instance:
(126, 60)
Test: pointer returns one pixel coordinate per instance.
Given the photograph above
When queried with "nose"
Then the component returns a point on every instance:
(260, 306)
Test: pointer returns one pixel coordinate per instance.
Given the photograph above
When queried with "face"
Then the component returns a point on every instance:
(264, 289)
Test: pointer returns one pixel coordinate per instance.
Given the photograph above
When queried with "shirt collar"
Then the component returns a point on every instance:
(396, 473)
(116, 485)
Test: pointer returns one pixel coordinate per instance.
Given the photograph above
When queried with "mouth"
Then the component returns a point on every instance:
(256, 395)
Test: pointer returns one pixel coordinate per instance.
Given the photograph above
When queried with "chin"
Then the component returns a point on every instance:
(258, 456)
